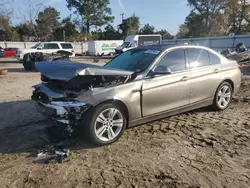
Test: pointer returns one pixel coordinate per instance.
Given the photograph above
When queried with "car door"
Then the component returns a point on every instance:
(43, 48)
(166, 92)
(205, 74)
(53, 47)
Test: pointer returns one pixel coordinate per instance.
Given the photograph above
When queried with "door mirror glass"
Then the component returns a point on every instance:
(161, 70)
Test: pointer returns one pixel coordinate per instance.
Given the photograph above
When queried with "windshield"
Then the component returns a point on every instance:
(136, 60)
(125, 44)
(34, 47)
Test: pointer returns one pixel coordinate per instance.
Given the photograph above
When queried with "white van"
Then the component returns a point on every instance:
(105, 47)
(133, 41)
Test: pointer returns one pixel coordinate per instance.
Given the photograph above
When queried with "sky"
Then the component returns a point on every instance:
(162, 14)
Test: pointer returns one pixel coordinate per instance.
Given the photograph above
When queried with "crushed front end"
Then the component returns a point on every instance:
(58, 107)
(63, 83)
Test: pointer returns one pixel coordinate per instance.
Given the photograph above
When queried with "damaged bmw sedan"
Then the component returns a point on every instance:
(138, 86)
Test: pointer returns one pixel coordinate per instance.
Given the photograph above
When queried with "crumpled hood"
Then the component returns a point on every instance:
(65, 70)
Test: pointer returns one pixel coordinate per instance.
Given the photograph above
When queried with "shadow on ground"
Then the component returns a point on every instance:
(16, 70)
(23, 129)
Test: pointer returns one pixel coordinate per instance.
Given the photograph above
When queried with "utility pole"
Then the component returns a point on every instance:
(122, 16)
(63, 35)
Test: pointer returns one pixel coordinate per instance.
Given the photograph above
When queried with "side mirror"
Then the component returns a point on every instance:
(161, 70)
(39, 48)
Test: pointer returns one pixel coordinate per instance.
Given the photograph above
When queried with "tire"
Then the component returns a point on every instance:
(223, 97)
(90, 125)
(26, 62)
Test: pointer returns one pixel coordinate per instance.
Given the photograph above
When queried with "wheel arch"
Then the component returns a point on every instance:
(230, 82)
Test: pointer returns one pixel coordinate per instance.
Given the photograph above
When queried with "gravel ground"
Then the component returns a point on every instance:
(201, 148)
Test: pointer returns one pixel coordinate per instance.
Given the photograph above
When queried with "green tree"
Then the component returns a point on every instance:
(67, 29)
(7, 32)
(237, 14)
(93, 13)
(26, 31)
(47, 23)
(206, 17)
(110, 33)
(147, 29)
(165, 34)
(183, 31)
(130, 26)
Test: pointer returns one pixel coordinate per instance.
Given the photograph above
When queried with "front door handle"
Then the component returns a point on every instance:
(185, 78)
(216, 70)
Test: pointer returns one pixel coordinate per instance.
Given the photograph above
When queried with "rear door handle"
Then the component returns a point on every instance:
(185, 78)
(216, 70)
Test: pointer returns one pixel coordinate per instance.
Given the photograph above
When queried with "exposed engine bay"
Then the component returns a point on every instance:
(63, 82)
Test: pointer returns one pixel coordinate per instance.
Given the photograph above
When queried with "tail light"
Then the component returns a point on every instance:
(239, 66)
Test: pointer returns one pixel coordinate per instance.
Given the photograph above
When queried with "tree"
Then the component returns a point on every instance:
(147, 29)
(165, 34)
(27, 27)
(206, 17)
(237, 14)
(26, 31)
(7, 32)
(183, 31)
(93, 13)
(67, 30)
(47, 23)
(5, 8)
(130, 26)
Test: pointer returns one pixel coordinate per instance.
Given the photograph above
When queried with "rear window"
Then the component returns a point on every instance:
(66, 46)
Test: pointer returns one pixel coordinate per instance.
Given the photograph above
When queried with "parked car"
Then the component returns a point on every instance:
(10, 52)
(138, 86)
(46, 47)
(1, 52)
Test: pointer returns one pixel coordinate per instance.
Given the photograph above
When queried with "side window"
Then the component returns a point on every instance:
(198, 57)
(45, 46)
(175, 60)
(214, 59)
(41, 46)
(53, 46)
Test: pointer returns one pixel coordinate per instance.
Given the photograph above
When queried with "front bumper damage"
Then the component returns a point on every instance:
(67, 113)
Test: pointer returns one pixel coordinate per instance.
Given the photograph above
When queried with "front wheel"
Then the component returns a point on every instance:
(223, 96)
(104, 124)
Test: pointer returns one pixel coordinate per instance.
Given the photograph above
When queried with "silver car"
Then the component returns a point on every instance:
(141, 85)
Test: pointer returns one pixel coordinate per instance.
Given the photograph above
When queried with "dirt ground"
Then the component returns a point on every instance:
(201, 148)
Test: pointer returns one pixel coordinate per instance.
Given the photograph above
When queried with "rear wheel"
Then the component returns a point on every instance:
(26, 62)
(223, 96)
(104, 124)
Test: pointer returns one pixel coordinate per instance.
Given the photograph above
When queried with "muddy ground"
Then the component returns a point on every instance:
(201, 148)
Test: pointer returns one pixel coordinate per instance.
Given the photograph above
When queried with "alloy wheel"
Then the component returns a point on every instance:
(108, 124)
(224, 96)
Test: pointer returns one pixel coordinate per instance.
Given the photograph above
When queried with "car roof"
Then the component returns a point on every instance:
(163, 47)
(57, 42)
